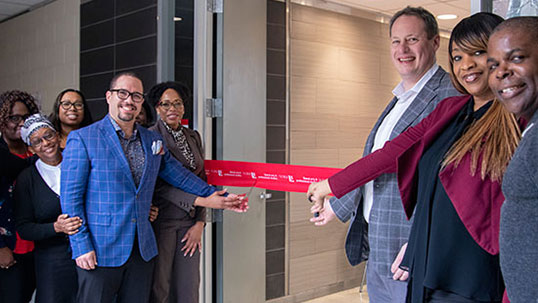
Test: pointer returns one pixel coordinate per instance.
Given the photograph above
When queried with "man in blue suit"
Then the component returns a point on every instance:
(108, 176)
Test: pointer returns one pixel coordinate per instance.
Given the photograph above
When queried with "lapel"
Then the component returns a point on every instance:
(113, 141)
(169, 142)
(426, 95)
(193, 144)
(371, 136)
(147, 142)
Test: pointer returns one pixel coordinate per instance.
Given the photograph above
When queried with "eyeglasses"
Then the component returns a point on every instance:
(67, 105)
(48, 136)
(167, 105)
(124, 94)
(17, 118)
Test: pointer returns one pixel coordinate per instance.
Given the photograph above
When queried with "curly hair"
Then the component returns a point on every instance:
(55, 115)
(155, 93)
(8, 100)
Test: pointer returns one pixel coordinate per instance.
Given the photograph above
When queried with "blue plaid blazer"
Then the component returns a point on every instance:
(97, 185)
(380, 240)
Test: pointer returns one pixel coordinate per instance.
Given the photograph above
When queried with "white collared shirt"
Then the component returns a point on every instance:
(50, 174)
(405, 98)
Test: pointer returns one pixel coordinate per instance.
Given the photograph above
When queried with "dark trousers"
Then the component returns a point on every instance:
(440, 296)
(177, 277)
(17, 283)
(130, 282)
(56, 275)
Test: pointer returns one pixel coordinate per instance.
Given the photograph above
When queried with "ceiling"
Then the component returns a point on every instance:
(10, 8)
(460, 8)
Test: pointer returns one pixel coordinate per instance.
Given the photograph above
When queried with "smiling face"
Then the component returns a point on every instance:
(18, 114)
(471, 71)
(74, 114)
(171, 108)
(44, 142)
(513, 65)
(124, 111)
(411, 51)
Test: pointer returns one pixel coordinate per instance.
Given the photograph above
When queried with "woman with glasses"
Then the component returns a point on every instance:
(178, 232)
(38, 215)
(69, 112)
(17, 277)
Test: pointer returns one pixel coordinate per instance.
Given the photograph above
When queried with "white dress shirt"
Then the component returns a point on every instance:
(405, 98)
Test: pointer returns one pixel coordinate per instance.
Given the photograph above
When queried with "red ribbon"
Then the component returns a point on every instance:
(280, 177)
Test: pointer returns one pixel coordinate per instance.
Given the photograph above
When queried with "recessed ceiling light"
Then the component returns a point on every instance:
(178, 18)
(447, 17)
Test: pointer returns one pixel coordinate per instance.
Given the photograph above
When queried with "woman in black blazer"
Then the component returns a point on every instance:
(39, 218)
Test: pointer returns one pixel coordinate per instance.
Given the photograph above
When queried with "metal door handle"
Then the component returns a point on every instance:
(265, 195)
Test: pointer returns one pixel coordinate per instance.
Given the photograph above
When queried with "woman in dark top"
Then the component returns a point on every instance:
(178, 229)
(449, 170)
(17, 278)
(69, 112)
(39, 218)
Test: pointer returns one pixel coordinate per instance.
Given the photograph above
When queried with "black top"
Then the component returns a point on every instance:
(441, 254)
(36, 209)
(10, 167)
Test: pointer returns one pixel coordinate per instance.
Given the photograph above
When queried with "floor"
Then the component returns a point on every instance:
(349, 296)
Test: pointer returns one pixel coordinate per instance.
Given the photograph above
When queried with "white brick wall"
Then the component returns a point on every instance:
(39, 51)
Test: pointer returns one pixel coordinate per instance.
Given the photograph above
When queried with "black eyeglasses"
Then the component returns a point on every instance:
(124, 94)
(67, 105)
(168, 105)
(48, 136)
(17, 118)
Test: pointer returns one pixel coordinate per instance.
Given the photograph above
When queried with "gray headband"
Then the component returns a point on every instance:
(32, 124)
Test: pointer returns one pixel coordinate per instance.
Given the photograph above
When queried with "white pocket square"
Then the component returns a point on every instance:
(157, 147)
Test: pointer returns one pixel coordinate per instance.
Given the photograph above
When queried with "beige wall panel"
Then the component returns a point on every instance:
(313, 59)
(299, 208)
(341, 139)
(305, 271)
(359, 65)
(313, 15)
(303, 31)
(334, 97)
(360, 125)
(389, 76)
(303, 139)
(301, 248)
(40, 51)
(313, 122)
(347, 156)
(442, 54)
(317, 157)
(303, 94)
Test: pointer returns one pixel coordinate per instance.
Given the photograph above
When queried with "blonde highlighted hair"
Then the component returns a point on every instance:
(492, 139)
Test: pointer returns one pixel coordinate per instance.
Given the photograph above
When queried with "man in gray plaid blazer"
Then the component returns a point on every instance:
(379, 229)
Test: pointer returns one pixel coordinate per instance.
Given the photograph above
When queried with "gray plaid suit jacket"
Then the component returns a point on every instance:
(388, 229)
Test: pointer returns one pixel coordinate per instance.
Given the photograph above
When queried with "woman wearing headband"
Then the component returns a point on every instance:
(39, 217)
